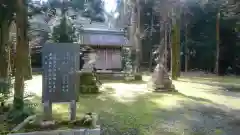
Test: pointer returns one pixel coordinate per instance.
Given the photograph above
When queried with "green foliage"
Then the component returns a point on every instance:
(97, 5)
(88, 83)
(63, 32)
(4, 90)
(138, 77)
(126, 60)
(94, 10)
(16, 116)
(5, 87)
(201, 19)
(78, 4)
(127, 63)
(7, 10)
(202, 38)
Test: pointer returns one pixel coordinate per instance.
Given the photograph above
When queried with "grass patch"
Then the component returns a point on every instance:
(233, 88)
(219, 79)
(230, 83)
(129, 108)
(123, 81)
(58, 125)
(5, 128)
(116, 117)
(122, 110)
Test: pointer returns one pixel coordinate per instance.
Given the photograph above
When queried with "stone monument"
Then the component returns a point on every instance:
(160, 78)
(60, 81)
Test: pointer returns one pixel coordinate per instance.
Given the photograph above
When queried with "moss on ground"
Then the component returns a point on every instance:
(213, 78)
(88, 83)
(138, 77)
(231, 83)
(131, 112)
(125, 108)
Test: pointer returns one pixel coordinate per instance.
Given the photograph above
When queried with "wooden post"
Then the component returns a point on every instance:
(73, 110)
(47, 109)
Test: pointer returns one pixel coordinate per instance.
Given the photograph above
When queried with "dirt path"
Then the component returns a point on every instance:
(196, 110)
(216, 95)
(34, 86)
(222, 104)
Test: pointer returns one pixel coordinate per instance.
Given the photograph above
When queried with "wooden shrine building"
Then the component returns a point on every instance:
(107, 46)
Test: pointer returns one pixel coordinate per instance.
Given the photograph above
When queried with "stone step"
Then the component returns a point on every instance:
(64, 132)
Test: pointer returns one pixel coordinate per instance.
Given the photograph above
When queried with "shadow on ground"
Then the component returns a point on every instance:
(225, 86)
(129, 109)
(228, 83)
(220, 88)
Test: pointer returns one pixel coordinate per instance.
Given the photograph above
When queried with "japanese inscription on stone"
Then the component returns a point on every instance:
(60, 63)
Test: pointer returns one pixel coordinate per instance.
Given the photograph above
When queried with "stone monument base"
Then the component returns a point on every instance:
(95, 131)
(165, 85)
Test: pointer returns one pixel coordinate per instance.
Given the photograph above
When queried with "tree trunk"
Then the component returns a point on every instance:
(132, 34)
(169, 42)
(20, 56)
(164, 56)
(138, 50)
(151, 59)
(175, 63)
(28, 68)
(178, 42)
(186, 48)
(161, 55)
(4, 52)
(138, 39)
(136, 35)
(173, 54)
(217, 43)
(166, 45)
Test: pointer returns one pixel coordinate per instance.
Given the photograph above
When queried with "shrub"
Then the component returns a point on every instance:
(4, 90)
(138, 77)
(17, 116)
(87, 83)
(5, 87)
(133, 77)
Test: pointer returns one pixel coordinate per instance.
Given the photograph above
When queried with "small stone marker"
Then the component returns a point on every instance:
(60, 63)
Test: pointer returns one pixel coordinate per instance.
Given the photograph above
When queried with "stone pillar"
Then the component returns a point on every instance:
(161, 80)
